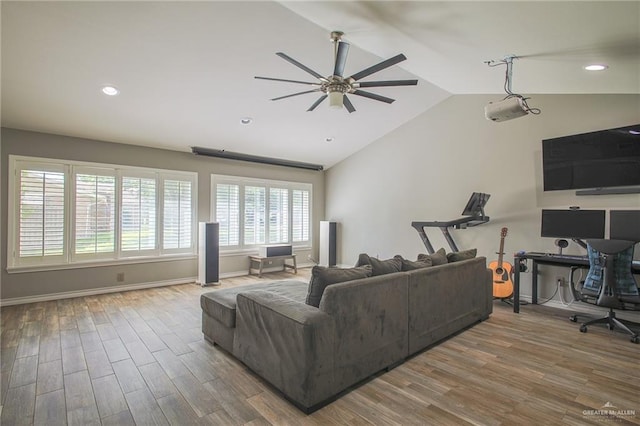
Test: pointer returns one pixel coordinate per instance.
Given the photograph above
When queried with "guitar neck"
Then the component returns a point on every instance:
(501, 253)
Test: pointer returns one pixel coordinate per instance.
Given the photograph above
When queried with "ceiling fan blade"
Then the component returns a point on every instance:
(318, 102)
(388, 83)
(347, 104)
(341, 58)
(286, 81)
(299, 65)
(379, 67)
(295, 94)
(373, 96)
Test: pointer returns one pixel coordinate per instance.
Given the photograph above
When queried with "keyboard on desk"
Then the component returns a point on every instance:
(568, 258)
(556, 256)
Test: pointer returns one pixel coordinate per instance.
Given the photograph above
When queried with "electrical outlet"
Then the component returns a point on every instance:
(120, 277)
(560, 281)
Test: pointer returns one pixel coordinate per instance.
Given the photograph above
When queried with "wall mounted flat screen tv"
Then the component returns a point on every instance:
(602, 159)
(572, 224)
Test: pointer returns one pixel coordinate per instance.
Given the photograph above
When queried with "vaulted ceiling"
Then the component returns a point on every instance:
(185, 70)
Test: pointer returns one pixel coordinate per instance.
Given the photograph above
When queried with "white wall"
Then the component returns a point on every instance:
(427, 169)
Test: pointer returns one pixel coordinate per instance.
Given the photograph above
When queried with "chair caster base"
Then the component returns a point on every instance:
(583, 328)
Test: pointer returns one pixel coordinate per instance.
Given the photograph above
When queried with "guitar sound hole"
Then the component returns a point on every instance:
(499, 271)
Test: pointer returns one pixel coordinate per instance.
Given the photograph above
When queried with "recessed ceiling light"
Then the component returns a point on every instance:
(596, 67)
(110, 90)
(246, 120)
(329, 139)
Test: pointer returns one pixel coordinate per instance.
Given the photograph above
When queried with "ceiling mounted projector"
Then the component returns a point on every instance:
(513, 105)
(506, 109)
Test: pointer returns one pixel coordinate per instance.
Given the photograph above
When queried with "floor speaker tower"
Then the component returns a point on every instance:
(328, 243)
(208, 253)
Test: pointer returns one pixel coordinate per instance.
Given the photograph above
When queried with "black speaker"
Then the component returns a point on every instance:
(328, 243)
(279, 250)
(209, 253)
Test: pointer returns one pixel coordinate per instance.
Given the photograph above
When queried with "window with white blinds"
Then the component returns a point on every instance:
(228, 214)
(138, 218)
(253, 212)
(178, 214)
(41, 217)
(95, 212)
(278, 215)
(300, 215)
(67, 212)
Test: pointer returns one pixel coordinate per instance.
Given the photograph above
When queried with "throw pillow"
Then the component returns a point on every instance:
(409, 265)
(437, 258)
(457, 256)
(322, 277)
(363, 259)
(379, 267)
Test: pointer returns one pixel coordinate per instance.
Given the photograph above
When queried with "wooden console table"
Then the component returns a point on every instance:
(260, 261)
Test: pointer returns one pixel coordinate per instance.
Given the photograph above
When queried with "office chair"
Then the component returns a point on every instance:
(610, 283)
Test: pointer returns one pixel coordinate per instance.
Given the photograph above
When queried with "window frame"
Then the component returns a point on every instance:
(71, 260)
(243, 182)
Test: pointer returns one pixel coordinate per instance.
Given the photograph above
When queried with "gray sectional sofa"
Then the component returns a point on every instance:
(361, 327)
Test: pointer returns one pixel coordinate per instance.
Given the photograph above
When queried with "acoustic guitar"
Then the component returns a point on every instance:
(502, 284)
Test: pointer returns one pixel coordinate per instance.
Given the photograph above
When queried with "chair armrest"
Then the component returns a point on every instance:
(288, 343)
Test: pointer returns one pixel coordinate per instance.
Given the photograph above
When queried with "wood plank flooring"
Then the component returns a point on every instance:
(138, 357)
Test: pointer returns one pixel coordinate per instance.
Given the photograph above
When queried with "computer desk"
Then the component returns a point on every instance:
(538, 258)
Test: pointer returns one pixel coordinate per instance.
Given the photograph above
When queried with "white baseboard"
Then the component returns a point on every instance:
(125, 287)
(93, 291)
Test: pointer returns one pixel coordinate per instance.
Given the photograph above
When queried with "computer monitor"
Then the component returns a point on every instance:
(475, 205)
(578, 224)
(624, 225)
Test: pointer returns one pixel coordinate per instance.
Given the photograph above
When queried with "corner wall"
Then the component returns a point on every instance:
(35, 285)
(427, 169)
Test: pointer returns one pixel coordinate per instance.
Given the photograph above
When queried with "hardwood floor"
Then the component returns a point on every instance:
(138, 357)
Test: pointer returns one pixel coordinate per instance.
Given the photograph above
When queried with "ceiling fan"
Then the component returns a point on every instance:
(336, 86)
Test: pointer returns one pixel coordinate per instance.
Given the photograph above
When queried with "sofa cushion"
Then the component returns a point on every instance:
(457, 256)
(380, 267)
(437, 258)
(221, 303)
(321, 277)
(410, 265)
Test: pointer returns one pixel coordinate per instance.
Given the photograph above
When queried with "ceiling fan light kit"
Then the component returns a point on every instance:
(336, 86)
